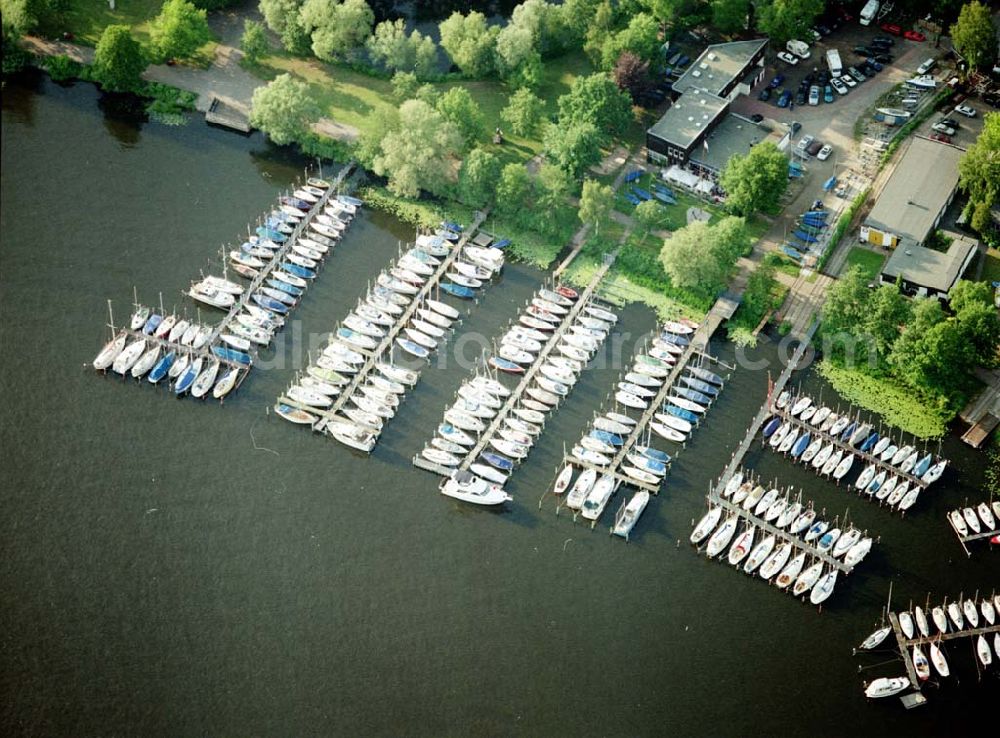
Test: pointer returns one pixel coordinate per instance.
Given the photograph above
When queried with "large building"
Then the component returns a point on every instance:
(701, 103)
(923, 272)
(915, 197)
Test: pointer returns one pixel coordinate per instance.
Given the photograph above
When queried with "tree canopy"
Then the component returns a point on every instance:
(573, 147)
(756, 180)
(119, 60)
(420, 154)
(478, 177)
(631, 74)
(699, 256)
(179, 30)
(975, 35)
(283, 109)
(396, 50)
(641, 37)
(730, 16)
(338, 30)
(253, 43)
(458, 106)
(470, 42)
(596, 201)
(513, 189)
(787, 19)
(282, 17)
(979, 170)
(596, 99)
(523, 112)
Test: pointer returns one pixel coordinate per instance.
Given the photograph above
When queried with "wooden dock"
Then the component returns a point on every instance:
(228, 115)
(265, 272)
(815, 432)
(897, 632)
(765, 411)
(373, 356)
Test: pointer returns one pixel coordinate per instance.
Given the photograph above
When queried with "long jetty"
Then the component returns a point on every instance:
(515, 396)
(693, 348)
(848, 448)
(265, 272)
(765, 411)
(373, 356)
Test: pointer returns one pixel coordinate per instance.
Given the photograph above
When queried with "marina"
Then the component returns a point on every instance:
(975, 523)
(831, 442)
(168, 346)
(913, 631)
(513, 405)
(622, 461)
(372, 403)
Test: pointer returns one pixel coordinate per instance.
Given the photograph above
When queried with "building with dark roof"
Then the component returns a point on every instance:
(684, 126)
(725, 70)
(923, 272)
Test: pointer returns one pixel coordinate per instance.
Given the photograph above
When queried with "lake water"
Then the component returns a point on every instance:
(180, 568)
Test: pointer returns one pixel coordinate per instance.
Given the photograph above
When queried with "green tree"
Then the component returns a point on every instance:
(887, 314)
(649, 214)
(283, 109)
(596, 100)
(597, 33)
(478, 177)
(419, 155)
(404, 85)
(678, 14)
(23, 16)
(390, 46)
(578, 16)
(119, 60)
(282, 17)
(573, 147)
(254, 41)
(179, 30)
(730, 16)
(428, 94)
(690, 261)
(975, 35)
(729, 239)
(470, 42)
(458, 106)
(641, 37)
(425, 53)
(968, 294)
(553, 186)
(338, 30)
(978, 323)
(513, 189)
(787, 19)
(845, 308)
(979, 172)
(523, 112)
(755, 181)
(757, 296)
(596, 200)
(380, 123)
(909, 358)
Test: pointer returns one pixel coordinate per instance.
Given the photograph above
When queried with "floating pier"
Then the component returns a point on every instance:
(515, 396)
(385, 346)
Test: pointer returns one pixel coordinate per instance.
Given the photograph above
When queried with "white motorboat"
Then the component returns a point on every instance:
(145, 362)
(906, 624)
(921, 620)
(802, 522)
(581, 488)
(846, 542)
(968, 513)
(986, 516)
(225, 383)
(971, 613)
(563, 480)
(776, 561)
(886, 687)
(204, 381)
(759, 553)
(124, 360)
(807, 579)
(306, 396)
(438, 456)
(823, 588)
(468, 487)
(983, 650)
(598, 498)
(920, 664)
(629, 400)
(721, 538)
(633, 510)
(940, 619)
(875, 639)
(955, 613)
(856, 554)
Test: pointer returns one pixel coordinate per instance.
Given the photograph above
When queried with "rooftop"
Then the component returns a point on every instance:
(734, 135)
(929, 268)
(718, 65)
(917, 191)
(688, 117)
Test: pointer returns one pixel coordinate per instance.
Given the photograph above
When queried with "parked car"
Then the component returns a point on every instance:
(854, 72)
(967, 111)
(805, 142)
(764, 95)
(926, 65)
(862, 51)
(941, 137)
(756, 117)
(795, 127)
(914, 36)
(814, 95)
(942, 128)
(816, 35)
(824, 30)
(814, 148)
(828, 94)
(883, 58)
(950, 122)
(884, 40)
(824, 153)
(875, 64)
(800, 97)
(868, 70)
(788, 58)
(848, 80)
(839, 86)
(892, 28)
(776, 82)
(823, 77)
(786, 97)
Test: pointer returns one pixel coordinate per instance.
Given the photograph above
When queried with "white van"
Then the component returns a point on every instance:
(868, 12)
(927, 66)
(799, 48)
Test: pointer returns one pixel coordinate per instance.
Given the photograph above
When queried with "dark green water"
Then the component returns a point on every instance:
(179, 568)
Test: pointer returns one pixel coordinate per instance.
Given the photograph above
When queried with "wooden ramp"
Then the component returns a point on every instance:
(228, 115)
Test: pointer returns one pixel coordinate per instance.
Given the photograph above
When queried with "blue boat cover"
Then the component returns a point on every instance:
(633, 175)
(501, 244)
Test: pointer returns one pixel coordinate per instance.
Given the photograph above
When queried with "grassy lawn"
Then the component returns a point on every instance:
(991, 266)
(782, 263)
(869, 261)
